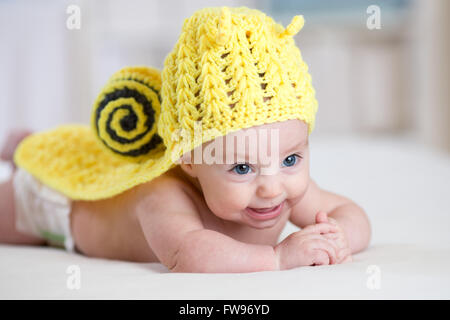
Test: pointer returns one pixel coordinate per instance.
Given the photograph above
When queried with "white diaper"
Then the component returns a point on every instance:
(42, 211)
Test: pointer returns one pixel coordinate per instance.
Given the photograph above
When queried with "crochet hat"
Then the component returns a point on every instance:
(231, 69)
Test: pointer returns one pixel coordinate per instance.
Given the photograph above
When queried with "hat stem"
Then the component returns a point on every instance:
(294, 27)
(224, 26)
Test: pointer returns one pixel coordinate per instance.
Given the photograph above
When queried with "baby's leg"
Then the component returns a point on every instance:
(8, 231)
(14, 137)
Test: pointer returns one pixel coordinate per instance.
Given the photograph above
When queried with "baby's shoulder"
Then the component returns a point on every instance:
(162, 188)
(167, 194)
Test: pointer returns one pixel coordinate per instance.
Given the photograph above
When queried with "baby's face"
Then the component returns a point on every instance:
(269, 169)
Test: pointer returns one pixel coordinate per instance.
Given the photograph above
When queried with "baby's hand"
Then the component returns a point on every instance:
(344, 253)
(307, 247)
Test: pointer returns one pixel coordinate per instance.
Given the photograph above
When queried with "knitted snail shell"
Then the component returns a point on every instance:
(126, 113)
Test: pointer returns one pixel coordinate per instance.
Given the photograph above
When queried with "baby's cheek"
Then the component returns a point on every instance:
(297, 186)
(229, 200)
(234, 199)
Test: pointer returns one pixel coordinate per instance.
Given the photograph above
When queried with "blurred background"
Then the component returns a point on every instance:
(382, 135)
(390, 81)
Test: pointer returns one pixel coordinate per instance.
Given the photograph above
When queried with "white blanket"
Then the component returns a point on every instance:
(403, 187)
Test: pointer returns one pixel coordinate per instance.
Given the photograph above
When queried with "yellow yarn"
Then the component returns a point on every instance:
(256, 76)
(88, 163)
(231, 69)
(224, 29)
(294, 27)
(125, 114)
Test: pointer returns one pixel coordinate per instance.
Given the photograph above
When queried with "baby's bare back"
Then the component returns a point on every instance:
(111, 228)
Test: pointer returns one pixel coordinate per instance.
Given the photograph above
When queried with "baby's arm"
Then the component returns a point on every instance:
(347, 214)
(174, 230)
(210, 251)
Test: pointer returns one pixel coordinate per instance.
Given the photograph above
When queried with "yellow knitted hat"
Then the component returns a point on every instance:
(231, 69)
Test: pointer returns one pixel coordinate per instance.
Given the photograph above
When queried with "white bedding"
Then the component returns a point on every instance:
(403, 187)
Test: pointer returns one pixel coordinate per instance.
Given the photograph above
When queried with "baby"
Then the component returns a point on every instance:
(209, 200)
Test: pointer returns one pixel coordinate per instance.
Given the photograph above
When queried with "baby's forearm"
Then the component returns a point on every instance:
(208, 251)
(355, 223)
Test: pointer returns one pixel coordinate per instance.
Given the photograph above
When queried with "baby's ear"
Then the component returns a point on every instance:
(187, 167)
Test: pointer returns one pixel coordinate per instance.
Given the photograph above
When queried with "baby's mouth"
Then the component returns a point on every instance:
(265, 213)
(263, 210)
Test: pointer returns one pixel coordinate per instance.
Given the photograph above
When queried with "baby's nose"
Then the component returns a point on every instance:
(270, 187)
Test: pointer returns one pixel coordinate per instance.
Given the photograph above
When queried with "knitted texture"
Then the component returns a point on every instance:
(120, 150)
(231, 69)
(125, 113)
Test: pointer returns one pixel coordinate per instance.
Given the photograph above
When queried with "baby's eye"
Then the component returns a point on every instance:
(241, 169)
(291, 160)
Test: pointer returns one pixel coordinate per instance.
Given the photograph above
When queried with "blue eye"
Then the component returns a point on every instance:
(241, 169)
(291, 160)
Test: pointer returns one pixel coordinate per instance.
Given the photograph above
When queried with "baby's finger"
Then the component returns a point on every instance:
(342, 241)
(338, 238)
(321, 217)
(331, 236)
(319, 244)
(343, 254)
(320, 228)
(320, 258)
(349, 258)
(315, 236)
(332, 221)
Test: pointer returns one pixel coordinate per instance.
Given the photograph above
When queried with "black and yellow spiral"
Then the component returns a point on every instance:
(126, 111)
